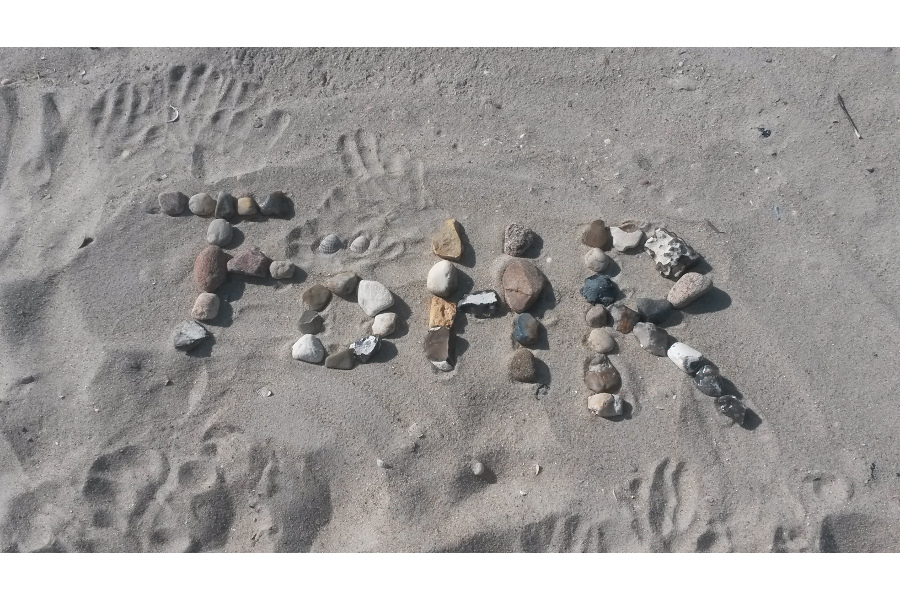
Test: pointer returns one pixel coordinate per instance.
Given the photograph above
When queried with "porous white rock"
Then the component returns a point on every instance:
(626, 236)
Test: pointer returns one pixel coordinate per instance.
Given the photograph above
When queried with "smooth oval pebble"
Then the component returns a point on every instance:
(202, 204)
(596, 260)
(373, 297)
(316, 297)
(330, 244)
(599, 340)
(360, 244)
(596, 316)
(206, 307)
(384, 324)
(679, 352)
(441, 279)
(687, 289)
(219, 232)
(281, 269)
(210, 268)
(477, 468)
(308, 349)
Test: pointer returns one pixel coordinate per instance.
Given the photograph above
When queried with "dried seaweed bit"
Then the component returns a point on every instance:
(87, 240)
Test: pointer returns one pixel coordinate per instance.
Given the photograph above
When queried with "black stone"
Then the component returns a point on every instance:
(526, 329)
(482, 304)
(364, 348)
(310, 322)
(654, 311)
(276, 204)
(732, 408)
(599, 288)
(692, 364)
(709, 381)
(226, 206)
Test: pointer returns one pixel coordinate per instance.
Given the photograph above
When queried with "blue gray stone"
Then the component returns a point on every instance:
(526, 329)
(599, 289)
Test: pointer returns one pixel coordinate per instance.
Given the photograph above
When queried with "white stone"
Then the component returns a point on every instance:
(477, 468)
(599, 340)
(373, 297)
(219, 232)
(442, 279)
(626, 236)
(281, 269)
(596, 260)
(202, 204)
(384, 324)
(678, 352)
(309, 349)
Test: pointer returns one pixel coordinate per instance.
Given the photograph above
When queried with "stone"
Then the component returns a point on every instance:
(679, 353)
(446, 242)
(247, 207)
(441, 313)
(226, 206)
(373, 297)
(522, 366)
(599, 289)
(596, 316)
(172, 203)
(281, 269)
(687, 289)
(653, 339)
(624, 318)
(596, 235)
(438, 347)
(342, 359)
(308, 349)
(522, 284)
(210, 268)
(477, 468)
(316, 297)
(219, 232)
(732, 408)
(343, 284)
(601, 375)
(330, 244)
(692, 364)
(188, 334)
(442, 279)
(252, 263)
(276, 204)
(202, 204)
(26, 380)
(708, 381)
(384, 324)
(517, 239)
(364, 348)
(206, 307)
(626, 236)
(526, 329)
(596, 260)
(360, 244)
(310, 322)
(599, 340)
(605, 405)
(654, 311)
(671, 254)
(482, 304)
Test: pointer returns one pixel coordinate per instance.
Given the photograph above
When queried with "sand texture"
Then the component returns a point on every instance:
(123, 443)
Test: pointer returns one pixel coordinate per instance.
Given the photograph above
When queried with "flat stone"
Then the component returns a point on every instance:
(316, 297)
(599, 340)
(172, 203)
(517, 239)
(687, 289)
(671, 254)
(624, 318)
(281, 269)
(526, 329)
(330, 244)
(441, 313)
(441, 279)
(596, 316)
(522, 284)
(708, 381)
(226, 206)
(308, 349)
(364, 348)
(446, 242)
(202, 204)
(310, 322)
(438, 347)
(601, 375)
(188, 334)
(599, 289)
(732, 408)
(360, 244)
(343, 284)
(596, 235)
(679, 353)
(342, 359)
(605, 405)
(654, 311)
(373, 297)
(210, 268)
(482, 304)
(653, 339)
(219, 232)
(276, 204)
(206, 307)
(626, 236)
(596, 260)
(247, 207)
(384, 324)
(522, 366)
(252, 263)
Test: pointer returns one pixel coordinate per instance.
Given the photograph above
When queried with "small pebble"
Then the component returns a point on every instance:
(596, 260)
(522, 284)
(252, 263)
(342, 359)
(687, 289)
(276, 204)
(210, 268)
(624, 318)
(599, 289)
(596, 235)
(526, 329)
(709, 381)
(601, 375)
(202, 204)
(732, 408)
(477, 468)
(596, 316)
(172, 203)
(373, 297)
(188, 334)
(446, 242)
(438, 347)
(343, 284)
(517, 239)
(364, 348)
(360, 244)
(308, 349)
(381, 464)
(522, 367)
(599, 340)
(482, 304)
(442, 279)
(679, 353)
(605, 405)
(26, 380)
(330, 244)
(654, 311)
(671, 254)
(384, 324)
(219, 232)
(247, 207)
(626, 236)
(281, 269)
(226, 206)
(653, 339)
(441, 313)
(310, 322)
(316, 297)
(206, 307)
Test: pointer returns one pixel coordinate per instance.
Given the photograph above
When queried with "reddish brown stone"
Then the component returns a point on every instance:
(209, 268)
(624, 318)
(597, 235)
(252, 262)
(522, 284)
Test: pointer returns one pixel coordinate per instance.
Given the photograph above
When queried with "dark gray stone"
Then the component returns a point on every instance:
(276, 204)
(226, 206)
(599, 289)
(173, 203)
(364, 348)
(526, 329)
(709, 381)
(732, 408)
(482, 304)
(654, 311)
(310, 322)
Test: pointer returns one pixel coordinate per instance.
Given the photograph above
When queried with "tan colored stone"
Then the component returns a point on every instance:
(441, 313)
(247, 207)
(446, 243)
(605, 405)
(522, 284)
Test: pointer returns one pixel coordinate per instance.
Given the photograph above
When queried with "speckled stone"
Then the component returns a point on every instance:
(172, 203)
(206, 307)
(522, 366)
(605, 405)
(202, 204)
(687, 289)
(210, 268)
(226, 206)
(670, 253)
(596, 235)
(252, 263)
(316, 297)
(526, 329)
(517, 239)
(599, 289)
(624, 318)
(596, 316)
(654, 311)
(599, 340)
(446, 242)
(522, 284)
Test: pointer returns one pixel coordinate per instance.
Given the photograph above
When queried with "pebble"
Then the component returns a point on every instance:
(671, 254)
(189, 334)
(596, 235)
(601, 375)
(26, 380)
(275, 204)
(247, 207)
(446, 242)
(709, 381)
(343, 284)
(605, 405)
(596, 316)
(442, 279)
(517, 239)
(653, 339)
(599, 340)
(342, 359)
(226, 206)
(680, 353)
(477, 468)
(522, 284)
(522, 367)
(251, 262)
(206, 307)
(310, 322)
(373, 297)
(202, 204)
(482, 304)
(308, 349)
(172, 203)
(364, 348)
(653, 311)
(687, 289)
(360, 244)
(596, 260)
(210, 268)
(732, 408)
(624, 318)
(219, 232)
(626, 236)
(281, 269)
(599, 289)
(384, 324)
(438, 342)
(441, 313)
(526, 329)
(330, 244)
(316, 297)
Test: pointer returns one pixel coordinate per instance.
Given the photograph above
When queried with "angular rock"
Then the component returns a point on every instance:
(680, 353)
(373, 297)
(438, 347)
(709, 381)
(624, 318)
(482, 304)
(653, 339)
(517, 239)
(276, 204)
(522, 366)
(687, 289)
(446, 242)
(343, 284)
(605, 405)
(172, 203)
(252, 263)
(626, 236)
(441, 279)
(206, 307)
(316, 297)
(596, 235)
(210, 268)
(342, 359)
(596, 260)
(247, 207)
(364, 348)
(281, 269)
(330, 244)
(522, 284)
(226, 206)
(732, 408)
(526, 329)
(219, 232)
(654, 311)
(441, 313)
(599, 340)
(360, 244)
(310, 322)
(308, 349)
(596, 316)
(384, 324)
(671, 254)
(599, 289)
(188, 334)
(601, 375)
(202, 204)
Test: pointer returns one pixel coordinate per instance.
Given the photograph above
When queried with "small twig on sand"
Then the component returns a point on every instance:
(711, 226)
(844, 108)
(175, 118)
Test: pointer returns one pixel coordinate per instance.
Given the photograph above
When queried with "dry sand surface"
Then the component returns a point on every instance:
(123, 443)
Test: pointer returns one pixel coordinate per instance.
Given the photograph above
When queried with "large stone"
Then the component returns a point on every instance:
(671, 254)
(446, 242)
(482, 304)
(601, 375)
(219, 232)
(210, 268)
(281, 269)
(683, 356)
(599, 289)
(202, 204)
(596, 235)
(384, 324)
(624, 318)
(517, 239)
(522, 366)
(653, 311)
(343, 284)
(310, 322)
(276, 204)
(687, 289)
(441, 279)
(522, 284)
(653, 339)
(226, 206)
(316, 297)
(206, 307)
(188, 334)
(599, 340)
(526, 329)
(732, 408)
(342, 359)
(626, 236)
(596, 316)
(709, 381)
(596, 260)
(605, 405)
(373, 297)
(308, 349)
(441, 313)
(172, 203)
(364, 348)
(438, 347)
(252, 263)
